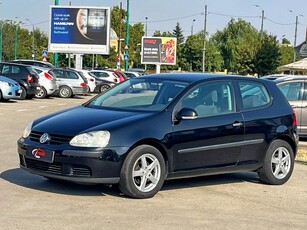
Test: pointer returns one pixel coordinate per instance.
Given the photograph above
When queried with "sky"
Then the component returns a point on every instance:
(279, 20)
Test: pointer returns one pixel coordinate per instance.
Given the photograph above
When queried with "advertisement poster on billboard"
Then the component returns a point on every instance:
(79, 30)
(159, 50)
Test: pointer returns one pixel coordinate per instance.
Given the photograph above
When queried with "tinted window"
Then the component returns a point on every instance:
(59, 73)
(72, 75)
(16, 69)
(211, 98)
(254, 95)
(291, 90)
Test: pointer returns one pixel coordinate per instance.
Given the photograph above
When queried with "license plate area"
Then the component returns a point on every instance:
(40, 154)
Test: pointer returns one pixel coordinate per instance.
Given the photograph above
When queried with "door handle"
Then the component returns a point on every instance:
(237, 124)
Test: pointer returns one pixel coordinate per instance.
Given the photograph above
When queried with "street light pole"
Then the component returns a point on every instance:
(205, 31)
(192, 27)
(1, 30)
(146, 27)
(262, 18)
(55, 55)
(295, 35)
(127, 37)
(33, 48)
(16, 42)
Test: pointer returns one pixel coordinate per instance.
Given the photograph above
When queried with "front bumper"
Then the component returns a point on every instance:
(13, 92)
(100, 166)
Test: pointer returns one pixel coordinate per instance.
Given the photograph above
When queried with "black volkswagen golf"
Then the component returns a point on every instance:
(166, 126)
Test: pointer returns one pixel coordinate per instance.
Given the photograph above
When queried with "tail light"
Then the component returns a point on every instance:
(115, 79)
(48, 76)
(91, 79)
(294, 120)
(83, 84)
(30, 78)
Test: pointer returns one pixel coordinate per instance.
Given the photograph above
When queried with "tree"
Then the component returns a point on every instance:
(286, 54)
(267, 58)
(178, 33)
(238, 43)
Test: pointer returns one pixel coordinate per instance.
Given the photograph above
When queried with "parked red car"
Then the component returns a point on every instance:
(121, 75)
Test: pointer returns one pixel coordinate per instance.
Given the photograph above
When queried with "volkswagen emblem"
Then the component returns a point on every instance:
(44, 138)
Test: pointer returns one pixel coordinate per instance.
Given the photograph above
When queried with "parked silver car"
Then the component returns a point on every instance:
(47, 80)
(70, 82)
(9, 89)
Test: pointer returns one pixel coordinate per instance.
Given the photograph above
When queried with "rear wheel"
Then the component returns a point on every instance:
(143, 172)
(65, 92)
(278, 163)
(104, 88)
(42, 93)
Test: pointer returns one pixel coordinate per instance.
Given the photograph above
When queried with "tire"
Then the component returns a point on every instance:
(104, 88)
(23, 93)
(42, 93)
(143, 172)
(65, 92)
(278, 163)
(1, 97)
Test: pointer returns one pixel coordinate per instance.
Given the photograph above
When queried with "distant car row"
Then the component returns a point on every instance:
(21, 79)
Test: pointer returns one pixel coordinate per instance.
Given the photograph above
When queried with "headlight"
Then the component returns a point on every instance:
(91, 139)
(27, 130)
(4, 83)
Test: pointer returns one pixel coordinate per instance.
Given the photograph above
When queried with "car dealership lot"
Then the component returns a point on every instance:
(219, 202)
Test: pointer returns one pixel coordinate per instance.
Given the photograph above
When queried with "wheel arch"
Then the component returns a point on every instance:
(156, 144)
(290, 141)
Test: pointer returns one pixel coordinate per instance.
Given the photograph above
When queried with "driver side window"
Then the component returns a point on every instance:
(211, 98)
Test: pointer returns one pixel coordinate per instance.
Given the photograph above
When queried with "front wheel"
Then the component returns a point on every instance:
(278, 163)
(143, 172)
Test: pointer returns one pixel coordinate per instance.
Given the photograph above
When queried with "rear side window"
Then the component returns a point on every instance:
(16, 69)
(291, 90)
(72, 75)
(254, 95)
(59, 73)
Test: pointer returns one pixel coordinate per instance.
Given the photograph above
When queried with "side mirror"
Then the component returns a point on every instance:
(186, 114)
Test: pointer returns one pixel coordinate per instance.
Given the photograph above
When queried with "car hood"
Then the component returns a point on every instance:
(2, 78)
(84, 119)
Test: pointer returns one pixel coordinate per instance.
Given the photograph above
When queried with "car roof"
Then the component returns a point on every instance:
(193, 77)
(290, 78)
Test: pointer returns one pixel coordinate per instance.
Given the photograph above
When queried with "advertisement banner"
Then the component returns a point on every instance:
(158, 50)
(79, 30)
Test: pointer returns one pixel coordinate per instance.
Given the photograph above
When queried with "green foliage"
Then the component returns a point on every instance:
(286, 54)
(178, 33)
(267, 56)
(238, 43)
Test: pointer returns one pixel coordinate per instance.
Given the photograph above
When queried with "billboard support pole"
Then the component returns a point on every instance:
(158, 68)
(55, 55)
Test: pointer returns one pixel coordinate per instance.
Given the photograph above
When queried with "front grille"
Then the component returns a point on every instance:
(54, 139)
(56, 168)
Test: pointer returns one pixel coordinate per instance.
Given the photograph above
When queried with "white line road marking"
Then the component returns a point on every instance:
(43, 106)
(63, 104)
(21, 110)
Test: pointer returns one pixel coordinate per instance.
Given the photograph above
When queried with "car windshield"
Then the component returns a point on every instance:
(140, 94)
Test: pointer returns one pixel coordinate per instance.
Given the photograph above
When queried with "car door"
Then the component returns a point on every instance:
(254, 103)
(293, 92)
(303, 119)
(214, 138)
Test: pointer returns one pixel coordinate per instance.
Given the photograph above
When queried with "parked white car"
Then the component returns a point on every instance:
(106, 75)
(9, 89)
(91, 81)
(47, 80)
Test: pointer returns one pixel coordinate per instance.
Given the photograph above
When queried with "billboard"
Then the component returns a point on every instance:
(158, 50)
(79, 30)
